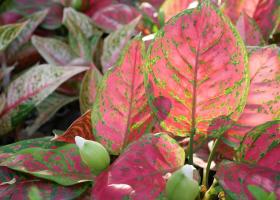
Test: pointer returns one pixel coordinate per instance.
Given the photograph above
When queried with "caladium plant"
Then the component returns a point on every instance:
(151, 103)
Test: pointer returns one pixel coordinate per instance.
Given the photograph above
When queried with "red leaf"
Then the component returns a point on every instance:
(263, 103)
(199, 65)
(138, 172)
(80, 127)
(235, 178)
(112, 17)
(121, 113)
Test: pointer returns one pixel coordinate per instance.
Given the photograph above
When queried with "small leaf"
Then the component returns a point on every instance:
(139, 172)
(89, 88)
(62, 165)
(54, 51)
(121, 113)
(80, 127)
(8, 33)
(114, 44)
(30, 89)
(112, 17)
(258, 192)
(22, 185)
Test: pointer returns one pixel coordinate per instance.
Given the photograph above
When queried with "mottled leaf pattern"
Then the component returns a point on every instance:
(47, 109)
(62, 165)
(112, 17)
(198, 67)
(8, 33)
(121, 113)
(263, 103)
(138, 172)
(89, 88)
(54, 51)
(14, 185)
(261, 146)
(114, 44)
(249, 31)
(80, 127)
(235, 178)
(29, 89)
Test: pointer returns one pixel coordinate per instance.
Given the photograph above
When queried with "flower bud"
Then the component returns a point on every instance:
(183, 184)
(93, 154)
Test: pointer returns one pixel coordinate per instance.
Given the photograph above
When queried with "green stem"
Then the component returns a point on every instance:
(190, 148)
(211, 192)
(210, 158)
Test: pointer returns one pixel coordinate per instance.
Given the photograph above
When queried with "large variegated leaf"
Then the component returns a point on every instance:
(198, 67)
(47, 109)
(121, 113)
(80, 127)
(8, 33)
(237, 178)
(263, 103)
(14, 185)
(89, 88)
(54, 51)
(33, 22)
(114, 44)
(29, 89)
(62, 165)
(261, 146)
(112, 17)
(139, 172)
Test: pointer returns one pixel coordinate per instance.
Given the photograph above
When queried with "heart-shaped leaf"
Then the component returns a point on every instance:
(249, 30)
(236, 178)
(261, 146)
(112, 17)
(89, 88)
(8, 33)
(114, 44)
(54, 51)
(30, 89)
(62, 165)
(121, 113)
(14, 185)
(139, 172)
(263, 103)
(198, 63)
(80, 127)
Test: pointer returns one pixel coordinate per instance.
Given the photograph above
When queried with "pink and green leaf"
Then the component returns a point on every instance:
(112, 17)
(80, 127)
(115, 43)
(14, 185)
(235, 179)
(121, 113)
(54, 51)
(62, 165)
(89, 88)
(30, 89)
(139, 172)
(198, 65)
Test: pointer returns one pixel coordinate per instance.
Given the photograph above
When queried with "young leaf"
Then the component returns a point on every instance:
(121, 113)
(89, 88)
(54, 51)
(8, 33)
(14, 185)
(199, 64)
(263, 103)
(80, 127)
(115, 42)
(261, 146)
(235, 179)
(29, 89)
(112, 17)
(47, 109)
(62, 165)
(139, 172)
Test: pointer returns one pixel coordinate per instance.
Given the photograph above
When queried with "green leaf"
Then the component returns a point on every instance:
(257, 192)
